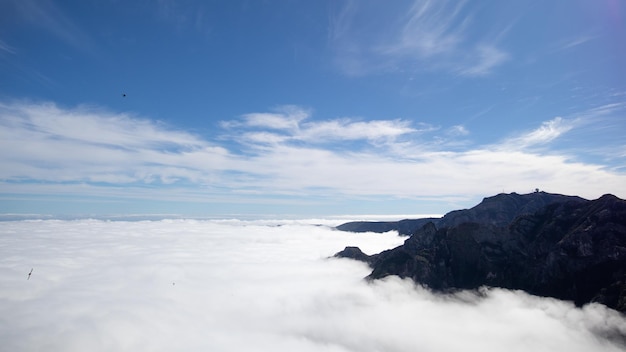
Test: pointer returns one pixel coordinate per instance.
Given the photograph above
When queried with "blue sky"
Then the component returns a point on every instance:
(307, 108)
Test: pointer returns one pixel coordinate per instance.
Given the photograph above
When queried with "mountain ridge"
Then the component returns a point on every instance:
(498, 210)
(569, 248)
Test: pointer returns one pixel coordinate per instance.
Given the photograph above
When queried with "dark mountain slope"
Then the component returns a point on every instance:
(572, 250)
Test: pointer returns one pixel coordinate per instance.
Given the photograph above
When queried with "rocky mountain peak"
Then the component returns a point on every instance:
(545, 244)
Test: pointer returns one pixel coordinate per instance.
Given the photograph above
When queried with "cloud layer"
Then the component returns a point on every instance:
(239, 286)
(83, 151)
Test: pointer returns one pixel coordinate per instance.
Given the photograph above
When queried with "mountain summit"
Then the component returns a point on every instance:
(498, 210)
(548, 245)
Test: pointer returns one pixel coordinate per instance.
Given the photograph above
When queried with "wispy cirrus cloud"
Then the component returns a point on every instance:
(91, 125)
(48, 16)
(92, 152)
(6, 48)
(544, 134)
(429, 28)
(190, 15)
(86, 144)
(575, 42)
(432, 35)
(482, 60)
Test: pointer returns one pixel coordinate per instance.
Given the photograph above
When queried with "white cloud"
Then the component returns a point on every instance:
(91, 126)
(344, 129)
(92, 145)
(242, 286)
(291, 122)
(72, 151)
(262, 137)
(287, 117)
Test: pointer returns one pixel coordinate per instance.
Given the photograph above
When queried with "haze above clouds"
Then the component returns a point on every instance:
(236, 285)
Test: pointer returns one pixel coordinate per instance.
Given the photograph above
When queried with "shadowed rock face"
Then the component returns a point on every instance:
(571, 249)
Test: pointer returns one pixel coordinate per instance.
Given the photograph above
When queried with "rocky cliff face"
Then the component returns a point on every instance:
(570, 249)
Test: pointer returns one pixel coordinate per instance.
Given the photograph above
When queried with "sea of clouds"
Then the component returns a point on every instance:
(190, 285)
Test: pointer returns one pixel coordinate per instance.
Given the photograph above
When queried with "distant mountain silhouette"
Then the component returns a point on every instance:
(498, 210)
(545, 244)
(404, 227)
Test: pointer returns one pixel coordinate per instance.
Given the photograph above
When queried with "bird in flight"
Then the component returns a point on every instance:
(31, 271)
(123, 95)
